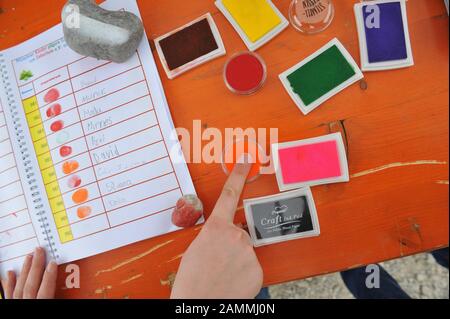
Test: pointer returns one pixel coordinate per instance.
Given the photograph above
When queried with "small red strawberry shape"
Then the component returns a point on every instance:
(52, 95)
(188, 211)
(54, 110)
(74, 182)
(65, 151)
(57, 126)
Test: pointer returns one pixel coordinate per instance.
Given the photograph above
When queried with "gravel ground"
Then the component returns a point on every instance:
(420, 276)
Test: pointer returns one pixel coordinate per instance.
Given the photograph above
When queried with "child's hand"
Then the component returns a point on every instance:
(221, 262)
(35, 281)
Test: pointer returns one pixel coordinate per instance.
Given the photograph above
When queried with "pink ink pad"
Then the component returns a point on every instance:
(311, 162)
(317, 161)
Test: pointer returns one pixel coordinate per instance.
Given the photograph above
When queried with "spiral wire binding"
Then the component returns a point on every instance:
(25, 156)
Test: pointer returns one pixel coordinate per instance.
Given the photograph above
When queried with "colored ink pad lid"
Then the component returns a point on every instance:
(234, 151)
(190, 46)
(282, 217)
(322, 75)
(256, 21)
(384, 42)
(245, 73)
(315, 161)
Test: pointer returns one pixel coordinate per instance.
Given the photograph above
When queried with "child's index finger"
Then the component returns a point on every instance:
(229, 198)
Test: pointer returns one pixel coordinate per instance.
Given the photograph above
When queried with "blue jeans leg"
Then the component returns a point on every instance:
(263, 294)
(355, 280)
(441, 257)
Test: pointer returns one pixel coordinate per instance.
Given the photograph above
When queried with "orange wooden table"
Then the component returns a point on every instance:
(396, 126)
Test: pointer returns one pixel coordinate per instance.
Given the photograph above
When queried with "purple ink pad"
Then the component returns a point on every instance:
(386, 43)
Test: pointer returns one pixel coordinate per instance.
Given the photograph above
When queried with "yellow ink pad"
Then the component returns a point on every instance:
(256, 21)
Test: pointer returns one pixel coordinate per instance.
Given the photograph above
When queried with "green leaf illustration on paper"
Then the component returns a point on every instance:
(26, 75)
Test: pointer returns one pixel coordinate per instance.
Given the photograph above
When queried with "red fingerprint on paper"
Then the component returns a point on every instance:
(54, 110)
(70, 167)
(84, 212)
(52, 95)
(65, 151)
(74, 181)
(57, 126)
(80, 196)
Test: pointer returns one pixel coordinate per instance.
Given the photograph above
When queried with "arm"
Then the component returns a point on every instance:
(221, 262)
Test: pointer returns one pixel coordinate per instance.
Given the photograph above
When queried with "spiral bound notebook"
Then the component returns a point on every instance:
(88, 158)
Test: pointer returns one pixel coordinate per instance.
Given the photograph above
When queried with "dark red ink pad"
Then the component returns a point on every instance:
(245, 73)
(190, 46)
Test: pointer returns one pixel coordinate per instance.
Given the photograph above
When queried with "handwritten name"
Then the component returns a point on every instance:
(93, 126)
(96, 94)
(113, 187)
(107, 154)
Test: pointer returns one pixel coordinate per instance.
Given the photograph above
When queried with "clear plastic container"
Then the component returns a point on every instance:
(311, 16)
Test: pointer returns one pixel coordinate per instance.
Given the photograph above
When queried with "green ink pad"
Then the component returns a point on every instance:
(321, 76)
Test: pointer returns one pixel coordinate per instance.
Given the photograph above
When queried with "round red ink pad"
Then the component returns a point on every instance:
(245, 73)
(234, 152)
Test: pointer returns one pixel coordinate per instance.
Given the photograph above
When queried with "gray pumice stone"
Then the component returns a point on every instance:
(99, 33)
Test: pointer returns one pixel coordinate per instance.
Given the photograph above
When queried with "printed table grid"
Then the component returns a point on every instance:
(37, 120)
